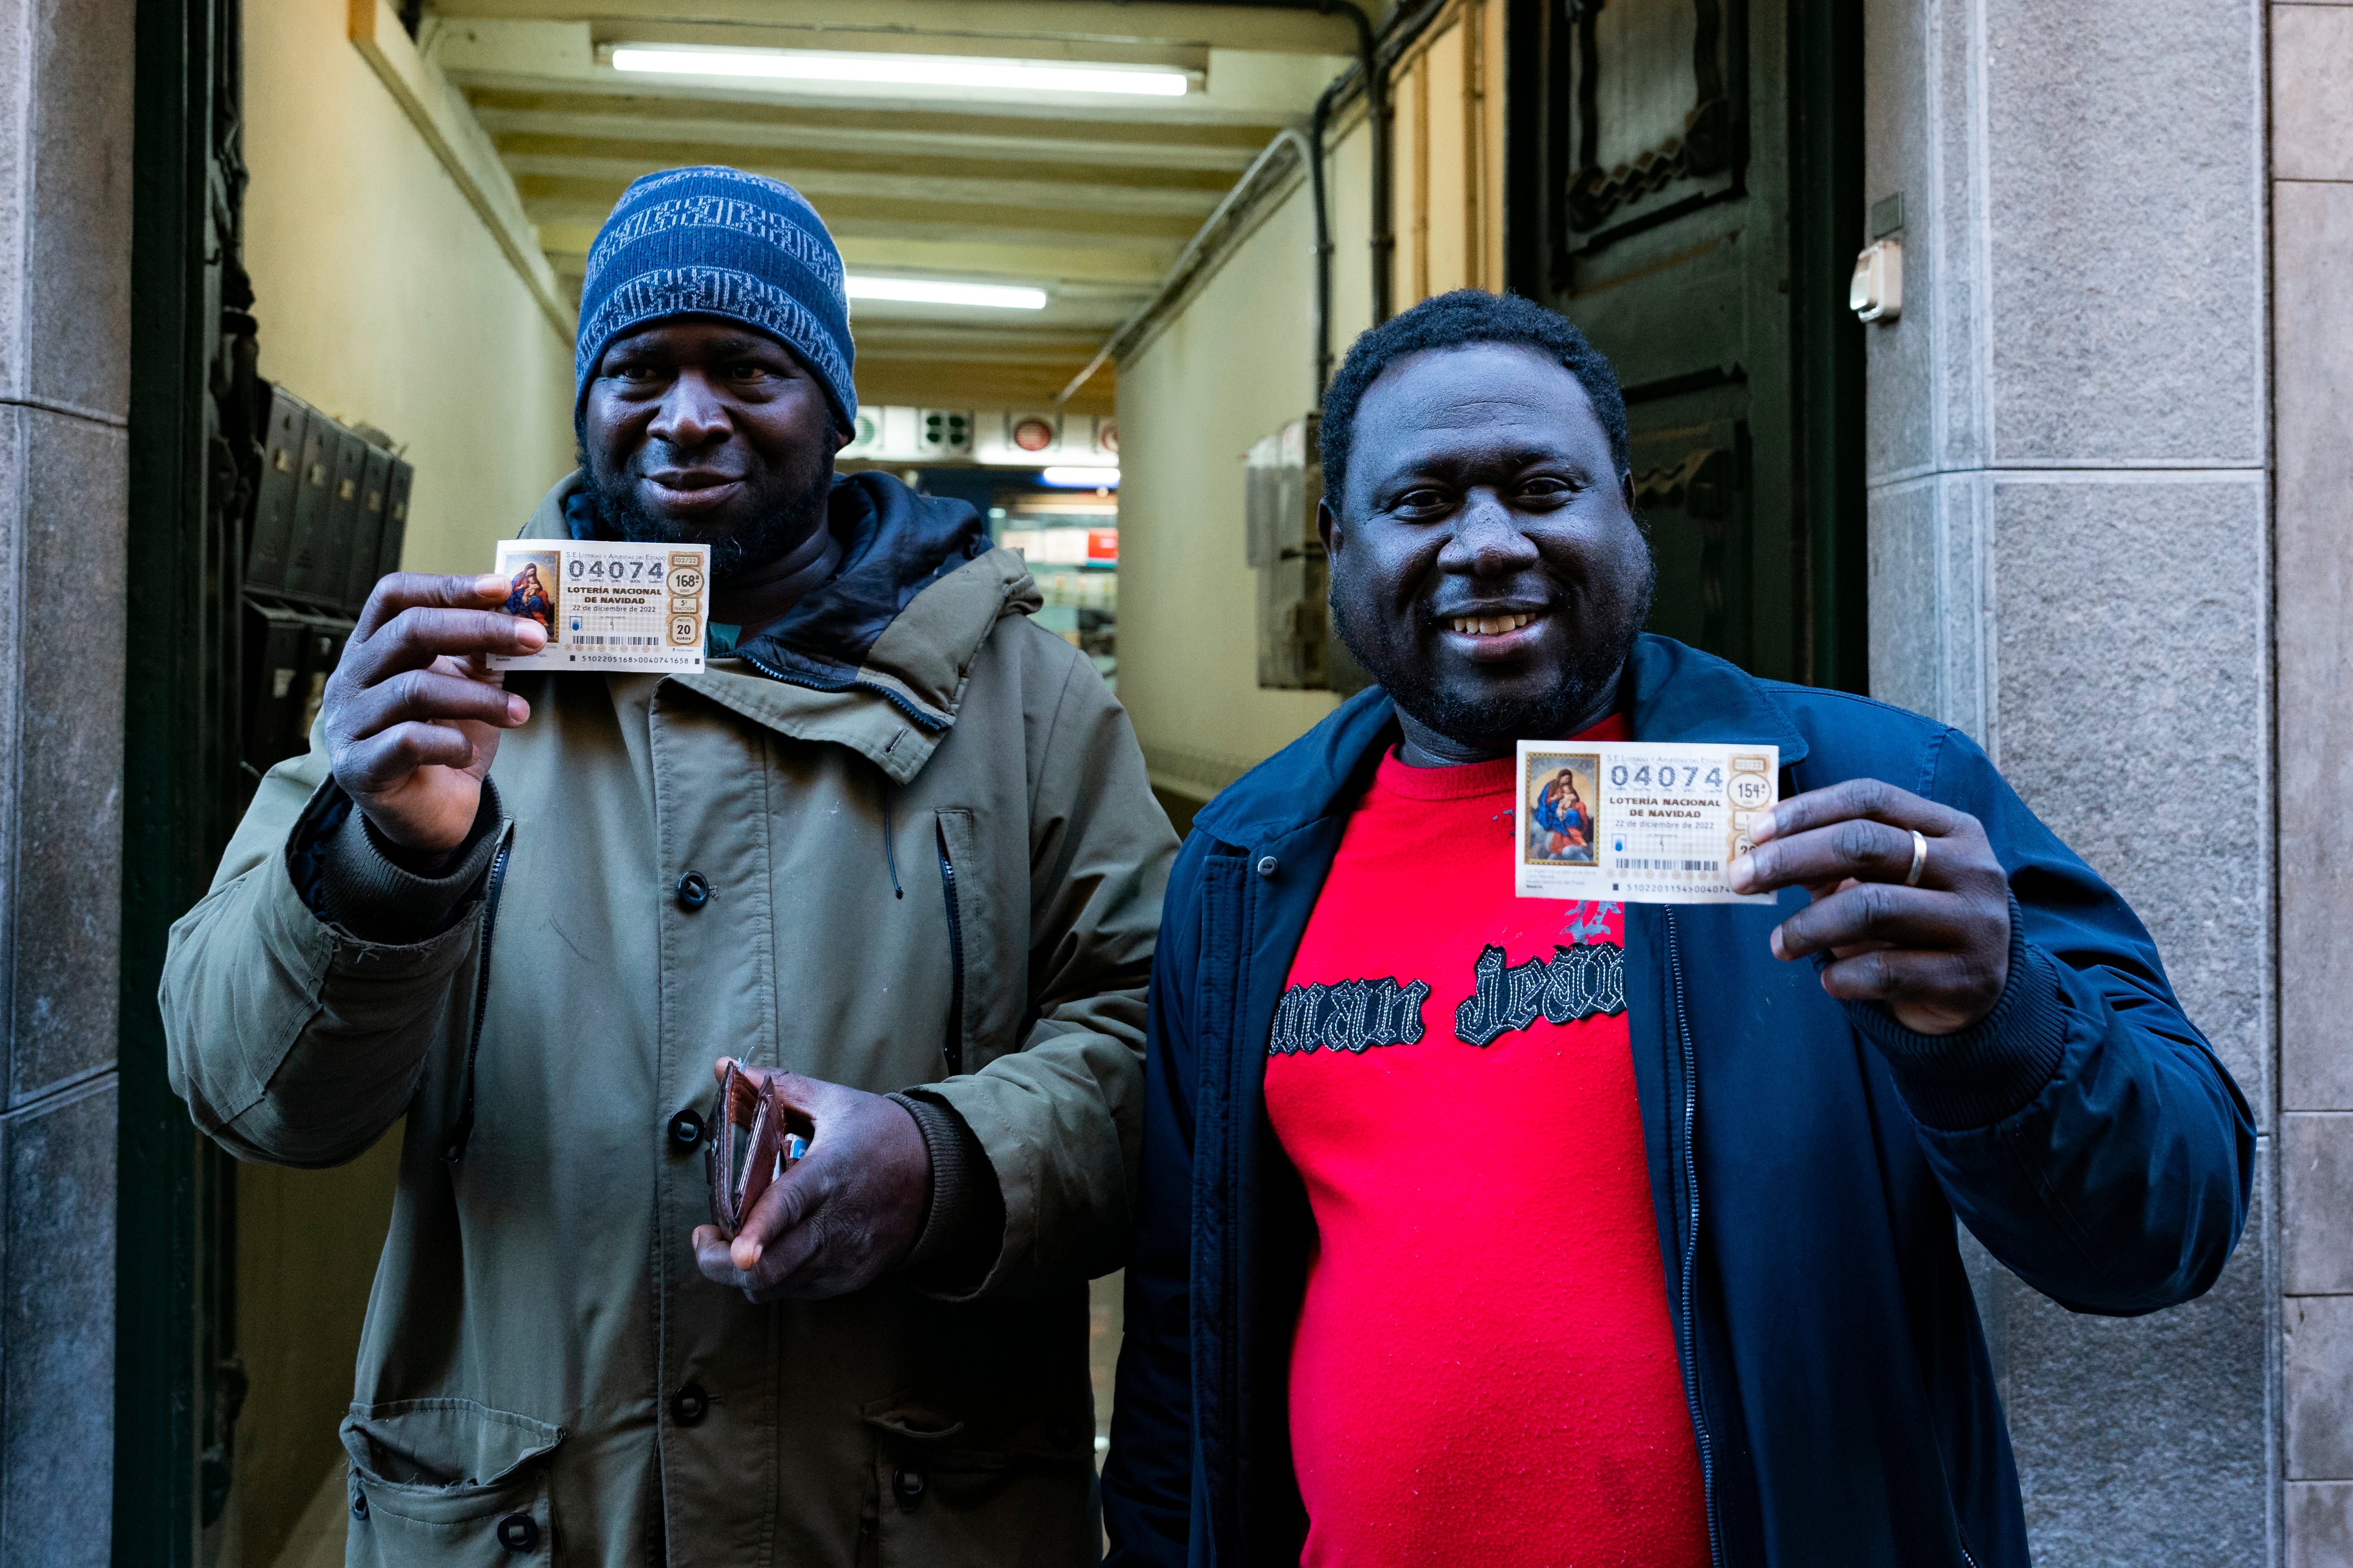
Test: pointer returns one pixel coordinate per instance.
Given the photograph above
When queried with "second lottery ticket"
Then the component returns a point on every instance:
(1637, 822)
(612, 607)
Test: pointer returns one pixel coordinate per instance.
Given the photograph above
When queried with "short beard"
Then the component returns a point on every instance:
(1489, 723)
(750, 546)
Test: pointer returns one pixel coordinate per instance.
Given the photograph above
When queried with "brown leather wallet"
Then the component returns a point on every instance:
(775, 1134)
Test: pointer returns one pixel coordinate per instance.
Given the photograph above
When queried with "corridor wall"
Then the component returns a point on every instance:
(1233, 364)
(1233, 359)
(381, 295)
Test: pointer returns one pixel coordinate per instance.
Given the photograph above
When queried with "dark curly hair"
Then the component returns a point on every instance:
(1451, 321)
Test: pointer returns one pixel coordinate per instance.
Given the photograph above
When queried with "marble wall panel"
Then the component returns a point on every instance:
(2142, 1440)
(2123, 149)
(2129, 617)
(2312, 112)
(2319, 1332)
(76, 287)
(2317, 1204)
(67, 887)
(1906, 611)
(2319, 1520)
(2313, 359)
(57, 1333)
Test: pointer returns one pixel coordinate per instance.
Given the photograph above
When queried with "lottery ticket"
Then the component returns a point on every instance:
(613, 607)
(1637, 821)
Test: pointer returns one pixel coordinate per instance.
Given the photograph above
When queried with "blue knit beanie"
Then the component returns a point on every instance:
(713, 241)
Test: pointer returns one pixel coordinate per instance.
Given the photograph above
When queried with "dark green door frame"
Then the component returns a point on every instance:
(1826, 222)
(191, 460)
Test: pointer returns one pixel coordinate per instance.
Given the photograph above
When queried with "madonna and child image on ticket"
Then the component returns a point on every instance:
(1638, 821)
(613, 607)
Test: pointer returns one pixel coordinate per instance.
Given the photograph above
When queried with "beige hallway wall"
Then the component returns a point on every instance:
(1230, 367)
(383, 298)
(1234, 362)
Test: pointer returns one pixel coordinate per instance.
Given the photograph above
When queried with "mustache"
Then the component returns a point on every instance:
(660, 458)
(1606, 619)
(751, 543)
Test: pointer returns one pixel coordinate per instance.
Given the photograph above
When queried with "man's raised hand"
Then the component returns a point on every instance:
(413, 711)
(1935, 952)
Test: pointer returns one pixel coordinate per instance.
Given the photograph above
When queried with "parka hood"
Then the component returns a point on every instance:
(918, 591)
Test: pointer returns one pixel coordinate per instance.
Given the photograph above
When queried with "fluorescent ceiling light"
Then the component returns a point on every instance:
(1080, 479)
(902, 71)
(938, 291)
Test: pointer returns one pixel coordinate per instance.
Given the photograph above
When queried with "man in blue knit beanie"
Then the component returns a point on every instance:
(709, 261)
(892, 855)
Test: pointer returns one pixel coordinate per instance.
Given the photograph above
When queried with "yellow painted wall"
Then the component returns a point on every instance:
(381, 296)
(1232, 366)
(1235, 364)
(1447, 178)
(307, 1247)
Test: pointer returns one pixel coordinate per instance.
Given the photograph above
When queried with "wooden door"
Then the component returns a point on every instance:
(1683, 173)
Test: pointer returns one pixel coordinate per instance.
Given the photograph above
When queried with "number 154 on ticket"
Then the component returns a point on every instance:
(1637, 822)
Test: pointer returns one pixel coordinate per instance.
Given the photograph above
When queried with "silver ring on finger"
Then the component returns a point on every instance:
(1919, 858)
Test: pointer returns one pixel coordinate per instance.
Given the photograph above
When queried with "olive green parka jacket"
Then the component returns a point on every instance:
(955, 854)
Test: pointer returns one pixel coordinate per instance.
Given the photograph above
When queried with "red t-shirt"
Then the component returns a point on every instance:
(1485, 1370)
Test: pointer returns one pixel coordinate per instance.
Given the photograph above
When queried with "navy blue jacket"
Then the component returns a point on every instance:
(1807, 1161)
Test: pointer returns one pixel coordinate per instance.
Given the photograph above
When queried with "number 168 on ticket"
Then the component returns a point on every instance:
(1636, 821)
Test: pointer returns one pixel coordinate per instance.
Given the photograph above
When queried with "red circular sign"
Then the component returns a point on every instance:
(1033, 435)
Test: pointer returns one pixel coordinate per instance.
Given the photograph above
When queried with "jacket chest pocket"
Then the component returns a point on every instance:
(951, 835)
(987, 957)
(448, 1482)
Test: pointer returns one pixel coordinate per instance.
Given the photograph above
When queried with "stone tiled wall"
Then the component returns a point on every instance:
(2068, 447)
(65, 286)
(2312, 326)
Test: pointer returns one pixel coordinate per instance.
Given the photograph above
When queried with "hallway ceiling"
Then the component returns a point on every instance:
(1089, 196)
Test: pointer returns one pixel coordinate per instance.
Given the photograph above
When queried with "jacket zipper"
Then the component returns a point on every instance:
(463, 1133)
(955, 1044)
(1229, 1289)
(1690, 1246)
(923, 720)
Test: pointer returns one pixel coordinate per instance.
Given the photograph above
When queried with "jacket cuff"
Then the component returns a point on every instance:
(963, 1225)
(1991, 1070)
(353, 878)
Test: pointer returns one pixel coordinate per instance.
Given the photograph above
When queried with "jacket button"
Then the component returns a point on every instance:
(1266, 866)
(909, 1485)
(686, 1128)
(693, 892)
(517, 1533)
(688, 1404)
(359, 1505)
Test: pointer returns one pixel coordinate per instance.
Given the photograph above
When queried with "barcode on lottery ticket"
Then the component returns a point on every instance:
(578, 641)
(1628, 863)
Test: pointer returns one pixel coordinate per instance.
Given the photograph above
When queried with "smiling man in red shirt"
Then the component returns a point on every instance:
(1485, 1325)
(1484, 1368)
(1512, 1231)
